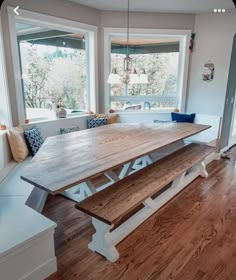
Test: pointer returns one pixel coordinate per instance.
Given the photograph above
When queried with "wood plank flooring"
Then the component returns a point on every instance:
(193, 237)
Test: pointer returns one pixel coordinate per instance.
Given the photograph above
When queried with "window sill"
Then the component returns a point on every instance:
(132, 112)
(32, 122)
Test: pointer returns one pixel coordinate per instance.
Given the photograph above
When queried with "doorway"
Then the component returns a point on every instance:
(228, 134)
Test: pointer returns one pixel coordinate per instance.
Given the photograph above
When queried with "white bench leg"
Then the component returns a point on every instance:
(101, 242)
(204, 172)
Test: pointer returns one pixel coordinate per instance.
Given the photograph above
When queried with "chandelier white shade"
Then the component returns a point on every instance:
(114, 78)
(143, 78)
(131, 79)
(134, 78)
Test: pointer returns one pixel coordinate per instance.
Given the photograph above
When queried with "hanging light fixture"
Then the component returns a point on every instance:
(127, 60)
(129, 77)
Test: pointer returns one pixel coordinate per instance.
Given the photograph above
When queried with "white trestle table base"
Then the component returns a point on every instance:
(86, 189)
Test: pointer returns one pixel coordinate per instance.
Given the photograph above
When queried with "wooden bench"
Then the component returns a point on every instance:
(119, 209)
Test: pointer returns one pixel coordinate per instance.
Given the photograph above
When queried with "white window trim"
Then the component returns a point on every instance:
(38, 19)
(183, 36)
(5, 114)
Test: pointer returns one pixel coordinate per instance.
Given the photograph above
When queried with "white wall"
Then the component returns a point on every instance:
(214, 39)
(148, 20)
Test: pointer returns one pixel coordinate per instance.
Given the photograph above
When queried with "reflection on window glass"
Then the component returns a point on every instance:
(144, 105)
(53, 72)
(162, 69)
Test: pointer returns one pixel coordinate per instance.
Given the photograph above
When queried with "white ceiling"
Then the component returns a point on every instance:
(176, 6)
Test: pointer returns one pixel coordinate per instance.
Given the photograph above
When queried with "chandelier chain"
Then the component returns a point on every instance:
(128, 26)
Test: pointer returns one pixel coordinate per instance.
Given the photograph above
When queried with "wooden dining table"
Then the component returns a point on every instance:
(66, 164)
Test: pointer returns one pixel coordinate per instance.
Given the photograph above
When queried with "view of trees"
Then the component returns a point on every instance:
(52, 75)
(58, 74)
(162, 71)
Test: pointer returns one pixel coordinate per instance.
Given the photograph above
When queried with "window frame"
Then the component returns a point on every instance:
(28, 17)
(183, 36)
(5, 116)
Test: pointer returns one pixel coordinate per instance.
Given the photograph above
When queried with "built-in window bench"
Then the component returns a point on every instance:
(27, 238)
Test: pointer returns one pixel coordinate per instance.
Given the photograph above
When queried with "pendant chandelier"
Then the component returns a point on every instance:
(130, 75)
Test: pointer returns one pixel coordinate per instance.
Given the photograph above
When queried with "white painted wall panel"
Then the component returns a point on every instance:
(214, 39)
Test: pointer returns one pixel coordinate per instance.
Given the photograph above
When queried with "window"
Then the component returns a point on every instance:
(54, 62)
(162, 57)
(159, 93)
(53, 70)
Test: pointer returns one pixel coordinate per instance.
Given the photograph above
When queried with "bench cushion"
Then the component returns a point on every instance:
(114, 203)
(13, 185)
(19, 223)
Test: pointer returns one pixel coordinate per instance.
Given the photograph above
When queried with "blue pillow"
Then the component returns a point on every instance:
(96, 122)
(34, 140)
(183, 118)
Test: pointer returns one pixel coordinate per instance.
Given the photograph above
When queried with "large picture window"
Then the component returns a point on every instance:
(54, 71)
(161, 89)
(162, 57)
(54, 62)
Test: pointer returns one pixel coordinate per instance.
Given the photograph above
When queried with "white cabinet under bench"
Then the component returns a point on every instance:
(26, 242)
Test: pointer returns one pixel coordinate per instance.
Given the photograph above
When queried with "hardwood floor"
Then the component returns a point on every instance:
(193, 237)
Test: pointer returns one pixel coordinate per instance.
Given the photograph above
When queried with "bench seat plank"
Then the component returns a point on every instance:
(112, 204)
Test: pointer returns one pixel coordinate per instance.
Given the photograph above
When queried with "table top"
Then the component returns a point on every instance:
(66, 160)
